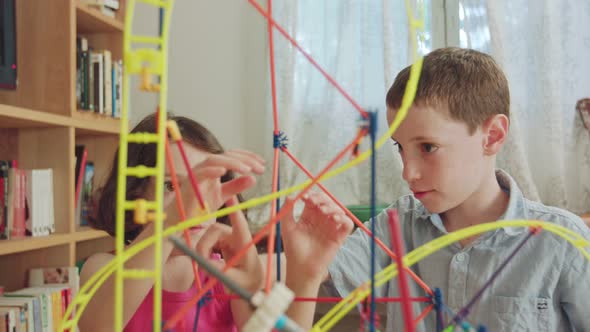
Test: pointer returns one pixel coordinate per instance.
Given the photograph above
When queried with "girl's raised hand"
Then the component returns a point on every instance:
(231, 241)
(208, 172)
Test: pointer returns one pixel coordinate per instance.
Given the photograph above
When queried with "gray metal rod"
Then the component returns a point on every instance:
(244, 294)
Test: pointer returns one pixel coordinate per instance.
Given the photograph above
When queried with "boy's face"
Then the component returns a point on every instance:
(443, 163)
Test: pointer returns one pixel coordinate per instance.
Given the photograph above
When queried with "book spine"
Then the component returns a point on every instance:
(79, 72)
(18, 226)
(81, 175)
(114, 89)
(11, 207)
(120, 88)
(3, 195)
(107, 81)
(90, 85)
(83, 77)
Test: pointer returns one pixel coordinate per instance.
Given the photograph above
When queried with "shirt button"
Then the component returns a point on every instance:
(461, 257)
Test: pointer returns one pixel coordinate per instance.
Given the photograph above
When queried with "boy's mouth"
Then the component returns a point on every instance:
(421, 194)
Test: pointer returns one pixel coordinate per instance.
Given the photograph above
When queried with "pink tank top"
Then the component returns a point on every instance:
(214, 316)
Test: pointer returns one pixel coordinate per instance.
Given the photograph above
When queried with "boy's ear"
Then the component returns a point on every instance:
(495, 131)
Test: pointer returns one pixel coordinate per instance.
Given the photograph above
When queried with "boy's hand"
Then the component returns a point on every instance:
(248, 273)
(312, 242)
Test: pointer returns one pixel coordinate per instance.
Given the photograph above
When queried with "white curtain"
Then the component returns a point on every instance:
(544, 48)
(350, 40)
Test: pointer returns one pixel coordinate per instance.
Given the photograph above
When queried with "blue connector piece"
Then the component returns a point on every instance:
(465, 326)
(438, 308)
(281, 322)
(280, 140)
(369, 123)
(206, 298)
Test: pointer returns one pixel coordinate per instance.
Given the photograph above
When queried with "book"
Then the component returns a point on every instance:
(97, 63)
(34, 310)
(81, 72)
(108, 82)
(44, 299)
(107, 11)
(18, 225)
(114, 89)
(49, 200)
(88, 79)
(119, 88)
(87, 189)
(81, 156)
(4, 234)
(8, 319)
(25, 306)
(112, 4)
(10, 207)
(52, 306)
(39, 195)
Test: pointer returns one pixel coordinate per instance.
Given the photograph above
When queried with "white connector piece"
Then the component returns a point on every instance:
(269, 309)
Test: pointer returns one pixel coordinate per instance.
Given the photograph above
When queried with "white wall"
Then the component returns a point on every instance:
(217, 68)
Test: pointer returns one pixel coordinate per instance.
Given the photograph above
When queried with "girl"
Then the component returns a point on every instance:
(214, 169)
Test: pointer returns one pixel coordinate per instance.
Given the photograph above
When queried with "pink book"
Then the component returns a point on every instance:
(19, 226)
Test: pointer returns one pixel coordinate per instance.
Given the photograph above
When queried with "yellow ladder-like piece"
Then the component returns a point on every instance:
(150, 64)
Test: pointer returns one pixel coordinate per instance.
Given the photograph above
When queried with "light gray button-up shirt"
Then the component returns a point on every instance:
(545, 287)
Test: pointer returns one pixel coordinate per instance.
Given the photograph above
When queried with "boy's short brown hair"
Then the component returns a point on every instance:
(468, 82)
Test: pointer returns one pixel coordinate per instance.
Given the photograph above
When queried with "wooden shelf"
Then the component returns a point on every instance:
(87, 122)
(87, 233)
(91, 20)
(19, 117)
(12, 246)
(33, 243)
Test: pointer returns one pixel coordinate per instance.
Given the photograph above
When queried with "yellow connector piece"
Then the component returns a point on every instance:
(199, 212)
(173, 130)
(146, 81)
(141, 214)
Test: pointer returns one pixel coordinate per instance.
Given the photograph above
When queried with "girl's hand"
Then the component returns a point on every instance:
(248, 273)
(208, 174)
(312, 242)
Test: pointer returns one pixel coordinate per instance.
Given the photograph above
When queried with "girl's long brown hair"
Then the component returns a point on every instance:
(192, 133)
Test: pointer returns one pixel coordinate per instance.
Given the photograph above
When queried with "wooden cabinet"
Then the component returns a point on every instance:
(40, 126)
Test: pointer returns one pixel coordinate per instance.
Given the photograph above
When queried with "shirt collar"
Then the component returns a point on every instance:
(516, 205)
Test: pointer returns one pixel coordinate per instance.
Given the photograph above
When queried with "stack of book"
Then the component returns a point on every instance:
(42, 305)
(26, 201)
(99, 80)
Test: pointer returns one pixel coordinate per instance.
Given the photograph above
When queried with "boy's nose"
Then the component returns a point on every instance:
(411, 172)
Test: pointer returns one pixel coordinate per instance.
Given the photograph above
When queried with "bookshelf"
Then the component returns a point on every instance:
(40, 126)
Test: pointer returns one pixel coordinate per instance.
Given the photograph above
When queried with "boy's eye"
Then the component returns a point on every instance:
(168, 186)
(399, 146)
(429, 148)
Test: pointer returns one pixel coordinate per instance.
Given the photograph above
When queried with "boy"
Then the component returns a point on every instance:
(448, 144)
